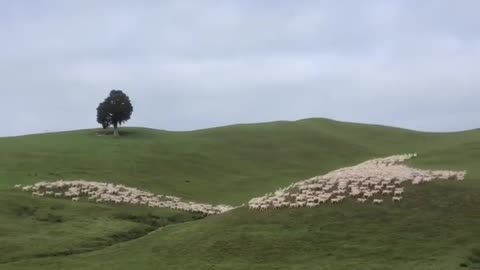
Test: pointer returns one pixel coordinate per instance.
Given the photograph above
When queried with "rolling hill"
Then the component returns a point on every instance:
(437, 226)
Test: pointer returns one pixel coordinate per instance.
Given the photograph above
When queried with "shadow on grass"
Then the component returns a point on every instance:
(147, 223)
(123, 132)
(101, 243)
(473, 260)
(31, 211)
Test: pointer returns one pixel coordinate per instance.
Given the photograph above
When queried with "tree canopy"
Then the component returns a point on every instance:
(115, 110)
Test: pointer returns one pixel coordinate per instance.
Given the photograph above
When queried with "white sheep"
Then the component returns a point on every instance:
(362, 200)
(386, 192)
(377, 201)
(396, 199)
(335, 200)
(311, 204)
(398, 192)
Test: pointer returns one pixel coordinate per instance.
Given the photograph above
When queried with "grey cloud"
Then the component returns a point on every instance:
(197, 64)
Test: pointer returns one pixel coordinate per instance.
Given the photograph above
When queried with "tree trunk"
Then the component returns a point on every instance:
(115, 130)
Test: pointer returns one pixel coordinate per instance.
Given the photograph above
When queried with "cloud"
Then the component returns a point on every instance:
(196, 64)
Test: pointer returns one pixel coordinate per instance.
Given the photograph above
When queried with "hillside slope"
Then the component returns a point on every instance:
(221, 165)
(437, 226)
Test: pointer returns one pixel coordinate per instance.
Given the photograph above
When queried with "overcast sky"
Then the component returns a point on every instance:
(196, 64)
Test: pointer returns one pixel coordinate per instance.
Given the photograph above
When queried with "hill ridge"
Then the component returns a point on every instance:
(302, 120)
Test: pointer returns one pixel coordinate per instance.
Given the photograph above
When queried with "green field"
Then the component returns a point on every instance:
(436, 226)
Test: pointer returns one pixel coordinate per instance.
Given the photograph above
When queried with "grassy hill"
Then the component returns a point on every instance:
(437, 226)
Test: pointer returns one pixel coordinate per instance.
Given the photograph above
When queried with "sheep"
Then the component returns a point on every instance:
(367, 195)
(310, 205)
(285, 204)
(323, 200)
(396, 199)
(386, 192)
(335, 200)
(355, 193)
(155, 205)
(76, 199)
(17, 186)
(398, 192)
(377, 201)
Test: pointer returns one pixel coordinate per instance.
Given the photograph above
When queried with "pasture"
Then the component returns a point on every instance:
(435, 226)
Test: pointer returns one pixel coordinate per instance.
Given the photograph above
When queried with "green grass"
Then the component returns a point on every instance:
(36, 228)
(436, 226)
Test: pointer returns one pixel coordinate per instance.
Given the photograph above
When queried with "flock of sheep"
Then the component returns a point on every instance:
(373, 180)
(111, 193)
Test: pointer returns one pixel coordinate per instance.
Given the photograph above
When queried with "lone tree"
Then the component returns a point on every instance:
(115, 110)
